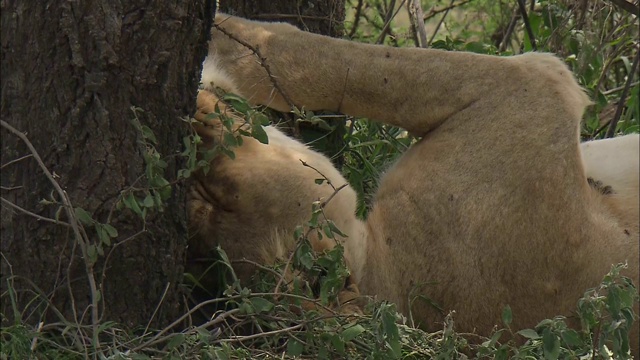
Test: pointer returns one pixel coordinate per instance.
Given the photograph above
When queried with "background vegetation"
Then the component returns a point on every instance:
(597, 39)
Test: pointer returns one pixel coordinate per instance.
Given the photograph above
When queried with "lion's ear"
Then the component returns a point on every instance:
(214, 77)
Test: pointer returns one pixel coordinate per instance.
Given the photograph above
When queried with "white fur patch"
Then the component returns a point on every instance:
(213, 76)
(615, 162)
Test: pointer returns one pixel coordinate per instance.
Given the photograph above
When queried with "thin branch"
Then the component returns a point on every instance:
(15, 161)
(387, 24)
(304, 163)
(507, 35)
(619, 88)
(435, 32)
(417, 17)
(247, 261)
(259, 335)
(159, 339)
(335, 192)
(527, 24)
(73, 221)
(291, 16)
(164, 293)
(39, 217)
(306, 236)
(387, 21)
(262, 60)
(356, 20)
(435, 12)
(627, 6)
(276, 291)
(623, 97)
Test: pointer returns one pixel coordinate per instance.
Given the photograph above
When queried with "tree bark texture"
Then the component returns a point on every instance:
(317, 16)
(71, 71)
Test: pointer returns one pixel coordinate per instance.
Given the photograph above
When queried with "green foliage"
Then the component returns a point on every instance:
(371, 148)
(274, 325)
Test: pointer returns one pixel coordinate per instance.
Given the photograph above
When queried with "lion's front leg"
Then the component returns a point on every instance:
(277, 65)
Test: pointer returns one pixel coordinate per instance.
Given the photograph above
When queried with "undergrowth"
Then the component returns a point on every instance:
(266, 325)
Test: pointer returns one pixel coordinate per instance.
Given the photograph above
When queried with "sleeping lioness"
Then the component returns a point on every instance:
(492, 207)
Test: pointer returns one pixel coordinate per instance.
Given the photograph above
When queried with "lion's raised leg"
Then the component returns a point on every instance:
(416, 89)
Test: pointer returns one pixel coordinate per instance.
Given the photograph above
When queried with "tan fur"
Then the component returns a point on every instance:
(251, 204)
(491, 208)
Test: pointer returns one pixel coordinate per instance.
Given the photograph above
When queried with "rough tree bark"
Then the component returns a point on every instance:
(71, 71)
(317, 16)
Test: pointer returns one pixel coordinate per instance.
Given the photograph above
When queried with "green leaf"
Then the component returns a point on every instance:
(147, 133)
(211, 116)
(92, 253)
(258, 133)
(148, 201)
(335, 230)
(105, 325)
(131, 203)
(139, 357)
(529, 334)
(391, 330)
(502, 353)
(184, 173)
(164, 188)
(228, 152)
(327, 231)
(494, 339)
(507, 316)
(396, 349)
(260, 118)
(352, 332)
(203, 335)
(175, 341)
(220, 354)
(294, 348)
(306, 259)
(236, 102)
(323, 352)
(571, 338)
(338, 344)
(551, 345)
(229, 139)
(103, 235)
(110, 230)
(261, 305)
(84, 217)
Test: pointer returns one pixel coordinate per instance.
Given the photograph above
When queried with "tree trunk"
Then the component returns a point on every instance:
(71, 73)
(317, 16)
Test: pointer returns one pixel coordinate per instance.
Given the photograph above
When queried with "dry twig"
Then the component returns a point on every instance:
(73, 221)
(263, 63)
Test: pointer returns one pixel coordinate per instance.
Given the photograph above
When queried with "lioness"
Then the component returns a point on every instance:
(492, 207)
